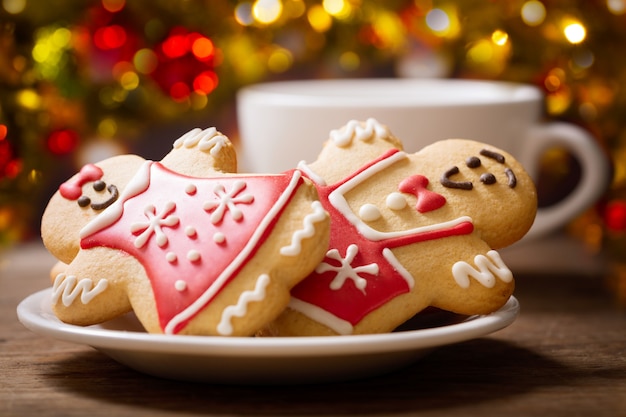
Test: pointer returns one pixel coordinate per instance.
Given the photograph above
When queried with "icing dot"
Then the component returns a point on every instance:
(171, 257)
(193, 255)
(396, 201)
(190, 231)
(191, 189)
(180, 285)
(219, 237)
(369, 212)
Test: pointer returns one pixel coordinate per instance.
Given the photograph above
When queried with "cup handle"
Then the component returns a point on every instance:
(594, 176)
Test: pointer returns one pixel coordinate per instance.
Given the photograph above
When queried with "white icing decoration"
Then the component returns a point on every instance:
(171, 257)
(369, 212)
(180, 285)
(318, 215)
(489, 267)
(346, 271)
(206, 140)
(240, 309)
(355, 130)
(404, 273)
(190, 231)
(227, 201)
(154, 225)
(68, 288)
(193, 255)
(302, 166)
(239, 260)
(111, 214)
(191, 189)
(396, 201)
(219, 237)
(338, 200)
(318, 314)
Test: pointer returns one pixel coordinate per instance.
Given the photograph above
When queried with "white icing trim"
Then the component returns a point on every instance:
(318, 215)
(354, 130)
(197, 305)
(489, 267)
(68, 288)
(313, 176)
(207, 140)
(139, 183)
(338, 200)
(404, 273)
(225, 327)
(322, 316)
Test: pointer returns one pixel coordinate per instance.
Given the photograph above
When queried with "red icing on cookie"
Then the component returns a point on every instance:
(193, 235)
(426, 200)
(359, 274)
(72, 188)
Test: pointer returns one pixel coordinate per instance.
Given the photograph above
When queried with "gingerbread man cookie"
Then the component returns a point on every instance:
(408, 231)
(187, 244)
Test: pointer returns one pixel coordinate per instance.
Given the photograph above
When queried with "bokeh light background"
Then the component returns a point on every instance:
(83, 80)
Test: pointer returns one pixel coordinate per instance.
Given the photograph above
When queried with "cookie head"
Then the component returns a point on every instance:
(482, 182)
(80, 199)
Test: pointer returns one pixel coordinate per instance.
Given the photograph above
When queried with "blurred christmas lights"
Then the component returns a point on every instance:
(84, 80)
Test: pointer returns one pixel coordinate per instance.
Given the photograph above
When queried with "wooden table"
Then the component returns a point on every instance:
(564, 356)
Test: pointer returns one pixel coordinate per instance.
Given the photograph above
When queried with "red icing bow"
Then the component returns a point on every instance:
(72, 188)
(426, 200)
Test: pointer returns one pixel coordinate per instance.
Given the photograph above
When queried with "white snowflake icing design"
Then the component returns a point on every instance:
(346, 271)
(227, 201)
(154, 225)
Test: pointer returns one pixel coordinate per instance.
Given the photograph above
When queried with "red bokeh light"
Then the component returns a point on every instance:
(62, 142)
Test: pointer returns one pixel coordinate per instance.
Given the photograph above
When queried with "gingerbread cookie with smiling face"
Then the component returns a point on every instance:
(189, 246)
(409, 231)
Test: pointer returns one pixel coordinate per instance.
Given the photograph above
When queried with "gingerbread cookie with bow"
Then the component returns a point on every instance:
(187, 244)
(408, 231)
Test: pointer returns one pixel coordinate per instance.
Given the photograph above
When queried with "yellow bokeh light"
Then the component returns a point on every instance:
(319, 20)
(28, 99)
(107, 127)
(349, 61)
(533, 13)
(280, 60)
(129, 80)
(145, 61)
(499, 37)
(575, 32)
(267, 11)
(294, 8)
(337, 8)
(481, 52)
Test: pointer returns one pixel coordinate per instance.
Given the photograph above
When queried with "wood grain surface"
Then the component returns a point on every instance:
(564, 356)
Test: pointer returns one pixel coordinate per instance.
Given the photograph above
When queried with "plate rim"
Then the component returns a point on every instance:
(34, 312)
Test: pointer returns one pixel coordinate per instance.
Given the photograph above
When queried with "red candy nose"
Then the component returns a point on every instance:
(426, 200)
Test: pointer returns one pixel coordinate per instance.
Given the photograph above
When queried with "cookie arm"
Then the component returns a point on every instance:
(89, 290)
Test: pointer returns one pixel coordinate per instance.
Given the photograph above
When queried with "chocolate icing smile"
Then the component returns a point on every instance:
(84, 201)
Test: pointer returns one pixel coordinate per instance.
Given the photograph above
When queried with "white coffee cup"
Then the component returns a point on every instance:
(283, 123)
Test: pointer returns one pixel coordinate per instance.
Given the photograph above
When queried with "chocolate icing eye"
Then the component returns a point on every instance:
(83, 201)
(472, 162)
(488, 178)
(99, 185)
(447, 182)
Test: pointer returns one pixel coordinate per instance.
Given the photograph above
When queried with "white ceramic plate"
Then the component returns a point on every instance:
(251, 360)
